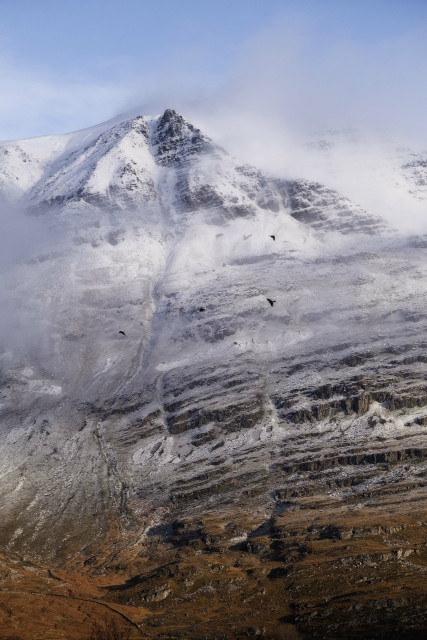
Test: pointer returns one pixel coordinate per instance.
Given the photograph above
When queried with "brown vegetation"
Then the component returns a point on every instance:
(332, 571)
(109, 629)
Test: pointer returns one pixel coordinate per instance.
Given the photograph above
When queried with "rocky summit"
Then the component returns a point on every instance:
(213, 396)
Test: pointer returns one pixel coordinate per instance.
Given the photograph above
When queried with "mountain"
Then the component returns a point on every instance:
(175, 447)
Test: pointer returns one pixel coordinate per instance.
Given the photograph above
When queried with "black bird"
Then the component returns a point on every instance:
(202, 309)
(122, 332)
(274, 237)
(271, 301)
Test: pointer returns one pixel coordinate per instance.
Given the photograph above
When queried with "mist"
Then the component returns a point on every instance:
(364, 104)
(343, 111)
(23, 239)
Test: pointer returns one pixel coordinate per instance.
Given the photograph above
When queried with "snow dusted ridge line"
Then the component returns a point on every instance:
(92, 166)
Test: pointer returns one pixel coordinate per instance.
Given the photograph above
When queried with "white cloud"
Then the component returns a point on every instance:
(289, 76)
(288, 85)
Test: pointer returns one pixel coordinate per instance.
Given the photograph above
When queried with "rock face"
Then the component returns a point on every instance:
(236, 469)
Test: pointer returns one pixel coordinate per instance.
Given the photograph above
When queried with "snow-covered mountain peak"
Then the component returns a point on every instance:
(165, 168)
(176, 140)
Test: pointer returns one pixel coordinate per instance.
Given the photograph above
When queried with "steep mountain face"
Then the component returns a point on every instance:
(177, 439)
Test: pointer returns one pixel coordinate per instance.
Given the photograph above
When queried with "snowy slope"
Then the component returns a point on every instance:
(140, 349)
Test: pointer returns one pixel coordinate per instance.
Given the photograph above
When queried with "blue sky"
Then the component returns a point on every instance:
(65, 65)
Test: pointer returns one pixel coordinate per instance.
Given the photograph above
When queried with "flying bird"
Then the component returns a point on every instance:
(274, 237)
(271, 301)
(122, 332)
(246, 237)
(202, 309)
